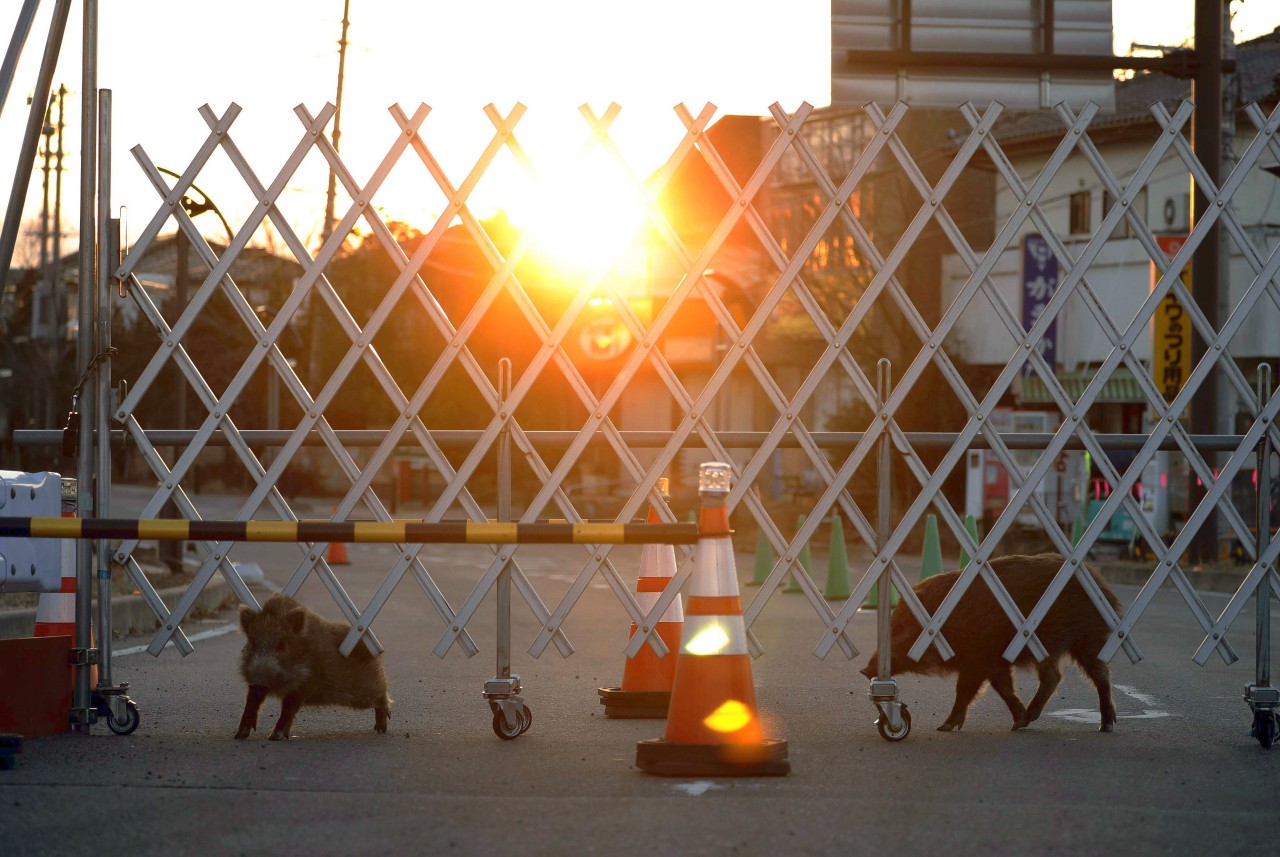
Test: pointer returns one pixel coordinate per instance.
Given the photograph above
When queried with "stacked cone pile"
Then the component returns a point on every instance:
(713, 724)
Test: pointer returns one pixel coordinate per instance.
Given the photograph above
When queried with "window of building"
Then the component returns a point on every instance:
(1124, 229)
(1080, 205)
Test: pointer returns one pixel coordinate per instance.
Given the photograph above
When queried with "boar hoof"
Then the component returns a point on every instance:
(1020, 723)
(1107, 727)
(242, 733)
(948, 726)
(279, 735)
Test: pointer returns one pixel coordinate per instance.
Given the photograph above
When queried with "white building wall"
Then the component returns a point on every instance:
(1121, 275)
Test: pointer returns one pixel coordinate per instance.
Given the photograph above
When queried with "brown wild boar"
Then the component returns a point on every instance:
(292, 653)
(978, 630)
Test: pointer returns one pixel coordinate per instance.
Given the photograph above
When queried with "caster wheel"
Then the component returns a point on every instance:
(890, 735)
(1264, 728)
(131, 720)
(523, 721)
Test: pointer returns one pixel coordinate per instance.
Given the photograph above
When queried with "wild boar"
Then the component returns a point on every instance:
(292, 653)
(978, 630)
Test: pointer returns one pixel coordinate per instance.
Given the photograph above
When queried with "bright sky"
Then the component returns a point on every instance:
(163, 60)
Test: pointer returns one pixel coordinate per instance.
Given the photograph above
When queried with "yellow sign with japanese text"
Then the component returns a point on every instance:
(1170, 329)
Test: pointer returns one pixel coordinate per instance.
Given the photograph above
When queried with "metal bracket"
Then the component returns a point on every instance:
(83, 716)
(1262, 698)
(84, 657)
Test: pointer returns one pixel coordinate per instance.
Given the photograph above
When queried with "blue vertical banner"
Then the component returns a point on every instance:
(1039, 282)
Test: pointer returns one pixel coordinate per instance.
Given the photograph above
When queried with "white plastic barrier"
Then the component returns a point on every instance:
(30, 565)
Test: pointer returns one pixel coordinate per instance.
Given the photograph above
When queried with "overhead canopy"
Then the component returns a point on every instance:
(941, 53)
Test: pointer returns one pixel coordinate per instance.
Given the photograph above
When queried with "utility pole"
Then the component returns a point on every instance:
(55, 242)
(337, 122)
(40, 299)
(314, 343)
(1207, 280)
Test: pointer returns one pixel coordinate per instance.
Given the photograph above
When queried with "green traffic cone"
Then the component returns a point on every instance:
(972, 526)
(1077, 527)
(806, 563)
(837, 564)
(764, 560)
(873, 597)
(931, 556)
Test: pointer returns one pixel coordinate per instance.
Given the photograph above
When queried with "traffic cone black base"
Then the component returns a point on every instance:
(767, 758)
(622, 704)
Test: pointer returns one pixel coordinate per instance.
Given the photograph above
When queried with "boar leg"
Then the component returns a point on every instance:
(249, 720)
(967, 686)
(1002, 681)
(1050, 678)
(1100, 674)
(381, 714)
(288, 709)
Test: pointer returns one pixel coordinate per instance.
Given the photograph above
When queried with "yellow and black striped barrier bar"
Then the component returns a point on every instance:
(402, 532)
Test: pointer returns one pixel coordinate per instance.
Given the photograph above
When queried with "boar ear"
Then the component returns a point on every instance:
(296, 620)
(246, 616)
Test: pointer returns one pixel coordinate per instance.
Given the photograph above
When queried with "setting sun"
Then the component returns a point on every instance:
(580, 216)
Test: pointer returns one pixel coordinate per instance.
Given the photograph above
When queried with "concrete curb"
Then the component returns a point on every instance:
(129, 613)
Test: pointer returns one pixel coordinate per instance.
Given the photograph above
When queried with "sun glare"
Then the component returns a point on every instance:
(581, 217)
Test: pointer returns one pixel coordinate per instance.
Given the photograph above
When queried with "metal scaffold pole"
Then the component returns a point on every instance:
(81, 703)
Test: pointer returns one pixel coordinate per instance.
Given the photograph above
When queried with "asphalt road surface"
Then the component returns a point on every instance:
(1178, 776)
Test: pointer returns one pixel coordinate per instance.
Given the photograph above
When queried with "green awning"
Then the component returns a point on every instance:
(1121, 387)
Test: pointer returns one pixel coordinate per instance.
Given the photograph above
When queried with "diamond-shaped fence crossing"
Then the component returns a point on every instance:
(780, 422)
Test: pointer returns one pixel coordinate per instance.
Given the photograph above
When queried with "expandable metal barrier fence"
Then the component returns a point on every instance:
(695, 427)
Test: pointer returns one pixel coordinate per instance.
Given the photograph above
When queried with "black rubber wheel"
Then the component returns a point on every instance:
(505, 732)
(889, 735)
(131, 721)
(1264, 728)
(526, 719)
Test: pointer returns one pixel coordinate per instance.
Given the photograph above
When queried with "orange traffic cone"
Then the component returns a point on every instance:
(336, 553)
(647, 678)
(713, 724)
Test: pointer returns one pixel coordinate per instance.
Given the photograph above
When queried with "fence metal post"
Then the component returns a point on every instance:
(511, 717)
(101, 422)
(82, 713)
(1263, 699)
(894, 721)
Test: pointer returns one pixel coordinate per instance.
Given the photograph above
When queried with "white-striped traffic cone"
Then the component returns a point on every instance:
(713, 724)
(647, 678)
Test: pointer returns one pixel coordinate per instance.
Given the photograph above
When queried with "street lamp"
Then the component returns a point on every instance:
(192, 207)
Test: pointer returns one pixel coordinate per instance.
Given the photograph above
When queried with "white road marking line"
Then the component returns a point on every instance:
(1091, 715)
(1144, 698)
(220, 631)
(696, 788)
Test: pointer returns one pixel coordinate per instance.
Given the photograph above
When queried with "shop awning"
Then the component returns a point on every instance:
(1121, 387)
